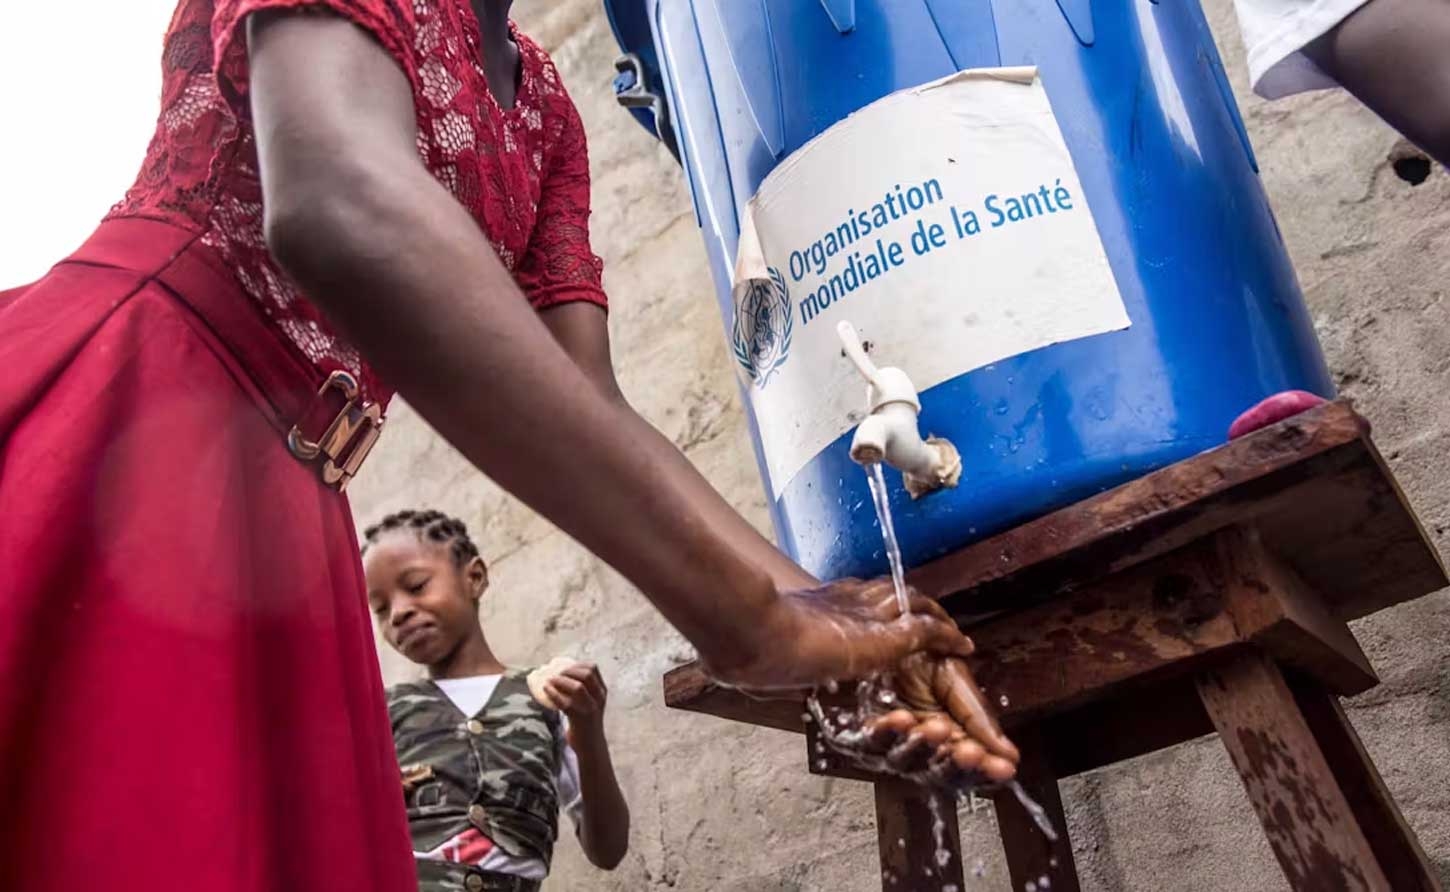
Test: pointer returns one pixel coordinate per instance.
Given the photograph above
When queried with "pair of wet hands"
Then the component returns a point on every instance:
(854, 629)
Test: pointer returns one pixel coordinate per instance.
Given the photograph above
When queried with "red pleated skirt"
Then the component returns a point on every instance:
(189, 694)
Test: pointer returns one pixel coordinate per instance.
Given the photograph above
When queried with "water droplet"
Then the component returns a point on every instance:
(821, 764)
(1052, 862)
(901, 841)
(1030, 887)
(1037, 812)
(1043, 883)
(949, 887)
(971, 531)
(832, 686)
(1001, 407)
(886, 698)
(1004, 701)
(980, 868)
(806, 717)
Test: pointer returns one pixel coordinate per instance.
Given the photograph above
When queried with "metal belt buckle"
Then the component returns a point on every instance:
(347, 440)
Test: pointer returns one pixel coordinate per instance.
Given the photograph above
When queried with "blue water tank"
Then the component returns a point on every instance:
(1139, 91)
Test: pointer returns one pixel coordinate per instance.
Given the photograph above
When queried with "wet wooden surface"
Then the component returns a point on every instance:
(1389, 835)
(917, 853)
(1306, 817)
(1314, 485)
(1161, 715)
(1171, 615)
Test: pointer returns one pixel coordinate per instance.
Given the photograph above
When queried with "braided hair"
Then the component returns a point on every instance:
(430, 526)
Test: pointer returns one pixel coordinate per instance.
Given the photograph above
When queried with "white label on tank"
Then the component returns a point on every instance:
(946, 222)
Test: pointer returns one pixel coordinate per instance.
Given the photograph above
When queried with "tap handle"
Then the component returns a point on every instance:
(856, 352)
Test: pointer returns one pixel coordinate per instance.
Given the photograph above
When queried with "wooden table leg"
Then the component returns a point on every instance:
(1031, 855)
(1388, 834)
(1305, 815)
(912, 841)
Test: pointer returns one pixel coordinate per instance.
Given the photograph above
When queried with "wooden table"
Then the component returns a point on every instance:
(1212, 595)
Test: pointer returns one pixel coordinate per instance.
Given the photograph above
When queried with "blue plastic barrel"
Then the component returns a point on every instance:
(1218, 321)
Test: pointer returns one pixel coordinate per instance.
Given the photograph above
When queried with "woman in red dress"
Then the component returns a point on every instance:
(191, 697)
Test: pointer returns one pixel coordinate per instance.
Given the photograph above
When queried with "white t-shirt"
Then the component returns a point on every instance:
(1275, 32)
(470, 695)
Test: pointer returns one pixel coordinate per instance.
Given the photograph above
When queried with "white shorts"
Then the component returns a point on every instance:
(1275, 32)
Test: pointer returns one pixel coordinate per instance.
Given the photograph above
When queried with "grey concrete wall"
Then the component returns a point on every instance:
(721, 807)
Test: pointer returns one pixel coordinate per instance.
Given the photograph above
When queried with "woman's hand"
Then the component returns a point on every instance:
(844, 630)
(945, 723)
(850, 630)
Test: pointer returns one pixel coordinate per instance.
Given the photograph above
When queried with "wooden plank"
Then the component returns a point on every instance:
(921, 851)
(1132, 723)
(1388, 833)
(1275, 609)
(1313, 484)
(690, 688)
(1355, 539)
(1104, 732)
(1165, 616)
(1031, 855)
(1307, 819)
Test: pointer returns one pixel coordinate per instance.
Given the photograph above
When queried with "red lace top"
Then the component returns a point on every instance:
(522, 173)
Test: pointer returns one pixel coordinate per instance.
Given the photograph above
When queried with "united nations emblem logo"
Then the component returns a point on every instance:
(763, 325)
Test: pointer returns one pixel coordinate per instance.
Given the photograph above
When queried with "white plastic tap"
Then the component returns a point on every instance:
(890, 433)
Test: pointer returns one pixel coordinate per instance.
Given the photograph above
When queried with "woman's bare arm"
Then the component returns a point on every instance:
(404, 272)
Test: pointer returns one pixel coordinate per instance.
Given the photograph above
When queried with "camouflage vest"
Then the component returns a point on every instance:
(495, 771)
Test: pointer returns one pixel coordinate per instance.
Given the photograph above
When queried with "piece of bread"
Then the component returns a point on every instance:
(537, 679)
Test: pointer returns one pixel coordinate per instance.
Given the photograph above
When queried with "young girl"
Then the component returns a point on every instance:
(1391, 54)
(487, 761)
(343, 198)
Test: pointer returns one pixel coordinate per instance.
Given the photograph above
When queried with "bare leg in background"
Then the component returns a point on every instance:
(1394, 56)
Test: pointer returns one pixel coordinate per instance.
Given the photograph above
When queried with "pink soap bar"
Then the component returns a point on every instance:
(1275, 408)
